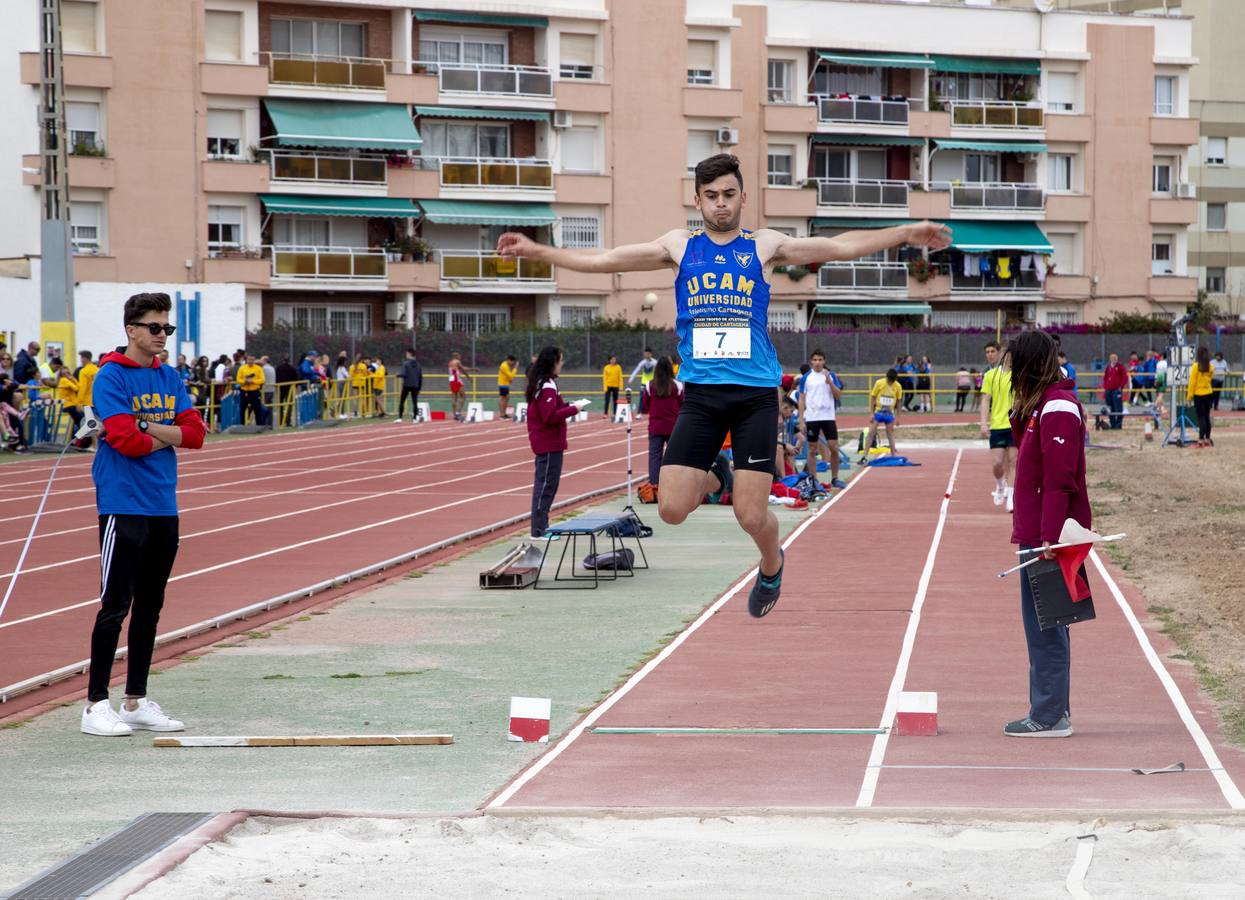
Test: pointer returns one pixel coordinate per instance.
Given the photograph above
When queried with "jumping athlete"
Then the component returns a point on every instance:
(730, 369)
(457, 371)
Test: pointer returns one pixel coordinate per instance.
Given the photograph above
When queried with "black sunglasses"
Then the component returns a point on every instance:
(155, 328)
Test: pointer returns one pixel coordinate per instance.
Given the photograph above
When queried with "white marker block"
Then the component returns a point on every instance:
(622, 412)
(581, 416)
(423, 412)
(520, 412)
(917, 713)
(475, 412)
(529, 719)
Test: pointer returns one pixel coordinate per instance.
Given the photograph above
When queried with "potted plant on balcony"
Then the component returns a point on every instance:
(393, 253)
(795, 273)
(88, 148)
(412, 248)
(920, 270)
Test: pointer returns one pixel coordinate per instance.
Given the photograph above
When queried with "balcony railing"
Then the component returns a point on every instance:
(861, 192)
(997, 195)
(492, 172)
(293, 165)
(353, 72)
(995, 114)
(1021, 282)
(479, 265)
(852, 109)
(877, 276)
(303, 261)
(473, 78)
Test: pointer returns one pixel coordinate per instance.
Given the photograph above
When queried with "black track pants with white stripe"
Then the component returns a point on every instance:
(136, 556)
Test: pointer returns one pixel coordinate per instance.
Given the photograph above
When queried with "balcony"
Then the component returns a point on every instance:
(231, 176)
(861, 192)
(414, 276)
(234, 79)
(1172, 131)
(997, 197)
(1068, 207)
(594, 189)
(496, 174)
(318, 168)
(789, 202)
(713, 102)
(79, 70)
(996, 114)
(334, 72)
(862, 276)
(932, 204)
(237, 266)
(1173, 288)
(1163, 210)
(1020, 283)
(860, 111)
(790, 118)
(1069, 128)
(583, 96)
(479, 266)
(290, 261)
(511, 81)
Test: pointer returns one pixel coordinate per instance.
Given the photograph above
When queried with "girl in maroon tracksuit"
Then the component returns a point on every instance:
(1048, 425)
(663, 398)
(547, 413)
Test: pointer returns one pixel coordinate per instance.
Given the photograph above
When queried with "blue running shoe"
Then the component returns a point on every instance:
(838, 484)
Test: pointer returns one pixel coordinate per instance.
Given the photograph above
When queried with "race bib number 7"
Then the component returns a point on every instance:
(722, 342)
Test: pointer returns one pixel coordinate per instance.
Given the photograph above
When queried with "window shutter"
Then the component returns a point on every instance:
(78, 26)
(222, 38)
(225, 123)
(1061, 90)
(578, 49)
(82, 116)
(579, 150)
(700, 55)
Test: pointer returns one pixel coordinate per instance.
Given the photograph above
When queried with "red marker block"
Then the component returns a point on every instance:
(917, 713)
(529, 719)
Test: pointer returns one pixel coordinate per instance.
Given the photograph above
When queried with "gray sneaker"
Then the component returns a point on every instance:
(1026, 727)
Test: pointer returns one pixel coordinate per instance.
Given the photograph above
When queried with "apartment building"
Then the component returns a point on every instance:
(346, 166)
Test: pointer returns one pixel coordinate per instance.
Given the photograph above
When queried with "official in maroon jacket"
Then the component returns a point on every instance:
(1049, 427)
(547, 413)
(663, 398)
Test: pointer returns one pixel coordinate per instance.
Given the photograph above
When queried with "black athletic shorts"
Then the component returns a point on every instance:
(829, 429)
(1001, 438)
(711, 410)
(504, 390)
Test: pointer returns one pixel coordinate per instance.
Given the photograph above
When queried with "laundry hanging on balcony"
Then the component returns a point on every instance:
(342, 125)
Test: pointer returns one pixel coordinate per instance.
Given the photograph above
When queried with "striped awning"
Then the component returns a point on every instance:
(463, 112)
(342, 125)
(484, 212)
(368, 207)
(876, 60)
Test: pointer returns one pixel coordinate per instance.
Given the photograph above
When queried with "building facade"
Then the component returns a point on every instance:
(347, 166)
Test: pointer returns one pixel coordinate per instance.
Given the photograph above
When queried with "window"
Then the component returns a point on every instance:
(326, 318)
(1216, 151)
(695, 222)
(579, 150)
(319, 37)
(782, 319)
(1055, 317)
(579, 232)
(578, 316)
(1161, 254)
(1161, 180)
(979, 168)
(700, 145)
(832, 80)
(1164, 95)
(224, 132)
(779, 81)
(1215, 279)
(1061, 92)
(84, 227)
(465, 140)
(467, 320)
(700, 61)
(222, 35)
(301, 231)
(82, 120)
(79, 26)
(1216, 217)
(1064, 255)
(988, 86)
(1059, 172)
(578, 55)
(456, 48)
(224, 228)
(781, 165)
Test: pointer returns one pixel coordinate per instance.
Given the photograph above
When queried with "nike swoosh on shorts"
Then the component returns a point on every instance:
(753, 462)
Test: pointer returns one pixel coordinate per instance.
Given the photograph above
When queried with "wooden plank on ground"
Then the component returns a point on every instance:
(312, 740)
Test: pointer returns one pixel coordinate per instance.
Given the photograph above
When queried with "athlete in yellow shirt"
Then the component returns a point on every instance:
(251, 382)
(506, 373)
(611, 382)
(996, 409)
(885, 397)
(86, 378)
(377, 380)
(359, 375)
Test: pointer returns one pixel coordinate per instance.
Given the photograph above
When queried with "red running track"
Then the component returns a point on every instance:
(266, 516)
(828, 656)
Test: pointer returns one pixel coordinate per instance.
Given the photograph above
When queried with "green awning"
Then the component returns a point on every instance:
(993, 146)
(858, 223)
(461, 112)
(461, 18)
(883, 60)
(986, 64)
(333, 123)
(370, 207)
(873, 309)
(482, 212)
(975, 236)
(868, 140)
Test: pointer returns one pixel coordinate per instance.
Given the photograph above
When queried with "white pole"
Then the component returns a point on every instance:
(629, 462)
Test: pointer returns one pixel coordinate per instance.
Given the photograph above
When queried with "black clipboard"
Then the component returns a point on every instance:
(1051, 600)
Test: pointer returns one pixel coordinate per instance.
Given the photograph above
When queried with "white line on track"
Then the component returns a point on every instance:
(878, 753)
(1227, 786)
(589, 720)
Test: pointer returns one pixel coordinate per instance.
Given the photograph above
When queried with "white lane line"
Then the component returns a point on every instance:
(1231, 792)
(329, 537)
(589, 720)
(870, 783)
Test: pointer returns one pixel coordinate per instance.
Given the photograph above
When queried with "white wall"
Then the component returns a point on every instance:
(19, 307)
(222, 314)
(19, 225)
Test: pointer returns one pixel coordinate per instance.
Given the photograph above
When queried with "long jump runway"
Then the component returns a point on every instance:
(262, 517)
(894, 588)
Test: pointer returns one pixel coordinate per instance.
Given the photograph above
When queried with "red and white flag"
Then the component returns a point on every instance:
(1080, 541)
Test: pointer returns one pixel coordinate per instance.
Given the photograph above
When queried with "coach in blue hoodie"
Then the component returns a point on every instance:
(146, 412)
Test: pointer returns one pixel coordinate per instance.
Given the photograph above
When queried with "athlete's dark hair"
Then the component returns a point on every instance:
(1035, 367)
(663, 378)
(1203, 359)
(542, 371)
(994, 344)
(817, 352)
(141, 304)
(891, 375)
(715, 167)
(805, 368)
(512, 358)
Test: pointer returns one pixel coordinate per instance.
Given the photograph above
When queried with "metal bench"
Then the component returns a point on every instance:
(592, 527)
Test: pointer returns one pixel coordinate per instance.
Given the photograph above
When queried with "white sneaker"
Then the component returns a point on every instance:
(149, 717)
(397, 421)
(1010, 504)
(101, 719)
(998, 496)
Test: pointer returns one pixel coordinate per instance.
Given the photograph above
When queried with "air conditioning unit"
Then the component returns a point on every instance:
(1030, 312)
(562, 118)
(1186, 190)
(395, 311)
(728, 137)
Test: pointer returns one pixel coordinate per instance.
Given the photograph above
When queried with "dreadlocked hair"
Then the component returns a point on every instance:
(1035, 367)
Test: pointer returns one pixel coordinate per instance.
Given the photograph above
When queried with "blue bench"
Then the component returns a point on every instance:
(618, 528)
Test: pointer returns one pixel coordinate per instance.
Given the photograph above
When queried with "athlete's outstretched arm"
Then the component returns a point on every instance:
(855, 244)
(627, 258)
